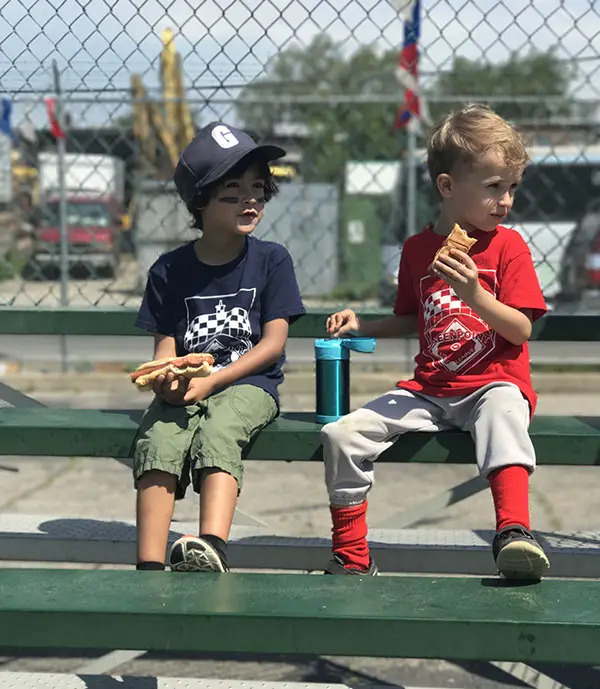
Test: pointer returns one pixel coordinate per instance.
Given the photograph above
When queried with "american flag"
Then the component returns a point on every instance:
(407, 71)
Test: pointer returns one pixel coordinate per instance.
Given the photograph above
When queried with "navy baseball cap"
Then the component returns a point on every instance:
(214, 150)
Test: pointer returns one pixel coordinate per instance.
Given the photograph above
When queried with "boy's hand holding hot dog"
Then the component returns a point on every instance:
(186, 367)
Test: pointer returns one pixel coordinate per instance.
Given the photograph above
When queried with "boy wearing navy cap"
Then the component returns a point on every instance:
(233, 296)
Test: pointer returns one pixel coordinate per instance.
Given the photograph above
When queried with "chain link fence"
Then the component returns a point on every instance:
(131, 82)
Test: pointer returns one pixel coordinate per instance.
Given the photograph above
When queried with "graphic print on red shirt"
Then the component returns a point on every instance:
(459, 353)
(457, 338)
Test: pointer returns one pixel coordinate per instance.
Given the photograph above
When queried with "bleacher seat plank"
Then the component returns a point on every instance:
(294, 436)
(388, 616)
(120, 321)
(52, 538)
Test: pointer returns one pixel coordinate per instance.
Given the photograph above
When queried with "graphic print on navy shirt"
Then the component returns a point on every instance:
(220, 325)
(223, 310)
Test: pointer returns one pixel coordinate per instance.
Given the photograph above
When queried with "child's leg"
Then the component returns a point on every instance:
(160, 474)
(350, 446)
(498, 420)
(154, 511)
(218, 498)
(233, 417)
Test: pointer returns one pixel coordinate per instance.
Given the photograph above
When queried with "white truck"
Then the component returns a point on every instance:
(85, 173)
(95, 190)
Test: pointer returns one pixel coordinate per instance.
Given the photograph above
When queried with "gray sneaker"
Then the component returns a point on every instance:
(194, 554)
(336, 566)
(518, 555)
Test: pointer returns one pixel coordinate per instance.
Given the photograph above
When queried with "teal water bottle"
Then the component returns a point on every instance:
(332, 357)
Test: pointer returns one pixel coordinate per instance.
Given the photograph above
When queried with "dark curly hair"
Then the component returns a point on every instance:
(199, 203)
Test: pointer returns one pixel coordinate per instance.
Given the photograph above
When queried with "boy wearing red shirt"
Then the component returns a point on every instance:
(473, 314)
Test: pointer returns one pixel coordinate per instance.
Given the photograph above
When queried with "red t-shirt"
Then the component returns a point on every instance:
(458, 352)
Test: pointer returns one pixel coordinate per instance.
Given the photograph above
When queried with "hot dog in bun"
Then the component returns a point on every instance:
(189, 366)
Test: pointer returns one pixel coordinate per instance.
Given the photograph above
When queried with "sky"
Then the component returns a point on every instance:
(97, 45)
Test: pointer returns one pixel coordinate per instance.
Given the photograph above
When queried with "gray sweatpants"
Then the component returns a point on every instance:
(497, 416)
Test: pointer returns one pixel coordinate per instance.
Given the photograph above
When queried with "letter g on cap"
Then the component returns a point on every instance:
(224, 136)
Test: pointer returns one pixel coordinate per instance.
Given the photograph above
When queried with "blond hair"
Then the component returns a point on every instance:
(464, 136)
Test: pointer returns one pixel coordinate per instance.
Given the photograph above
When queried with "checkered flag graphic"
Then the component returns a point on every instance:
(207, 326)
(443, 303)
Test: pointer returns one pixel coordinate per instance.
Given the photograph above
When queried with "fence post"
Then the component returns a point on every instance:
(64, 238)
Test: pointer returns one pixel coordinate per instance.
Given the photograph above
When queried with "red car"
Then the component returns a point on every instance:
(93, 228)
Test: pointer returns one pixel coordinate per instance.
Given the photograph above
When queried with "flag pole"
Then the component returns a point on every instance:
(409, 115)
(411, 177)
(64, 238)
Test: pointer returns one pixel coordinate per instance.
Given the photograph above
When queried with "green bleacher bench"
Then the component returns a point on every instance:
(395, 616)
(292, 437)
(398, 617)
(120, 321)
(45, 431)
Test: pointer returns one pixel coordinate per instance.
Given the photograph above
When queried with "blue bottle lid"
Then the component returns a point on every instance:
(359, 344)
(334, 349)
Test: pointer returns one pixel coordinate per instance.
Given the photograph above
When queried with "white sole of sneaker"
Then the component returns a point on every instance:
(200, 558)
(522, 560)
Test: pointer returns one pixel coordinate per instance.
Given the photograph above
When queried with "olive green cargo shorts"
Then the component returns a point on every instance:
(212, 433)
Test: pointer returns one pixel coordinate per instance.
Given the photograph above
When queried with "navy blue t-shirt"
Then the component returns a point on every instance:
(222, 309)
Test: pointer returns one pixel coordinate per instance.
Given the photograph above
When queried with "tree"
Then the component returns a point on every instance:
(336, 132)
(537, 74)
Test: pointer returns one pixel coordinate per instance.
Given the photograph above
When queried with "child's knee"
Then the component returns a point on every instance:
(231, 465)
(329, 432)
(338, 432)
(156, 477)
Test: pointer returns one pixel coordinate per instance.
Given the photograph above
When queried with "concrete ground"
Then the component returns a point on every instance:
(291, 498)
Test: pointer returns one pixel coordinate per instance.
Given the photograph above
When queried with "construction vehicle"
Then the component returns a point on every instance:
(25, 186)
(162, 128)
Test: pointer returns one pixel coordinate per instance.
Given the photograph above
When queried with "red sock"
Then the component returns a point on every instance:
(349, 535)
(510, 490)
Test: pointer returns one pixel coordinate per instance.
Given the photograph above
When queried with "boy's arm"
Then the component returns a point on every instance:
(164, 346)
(512, 324)
(264, 353)
(460, 272)
(347, 322)
(393, 326)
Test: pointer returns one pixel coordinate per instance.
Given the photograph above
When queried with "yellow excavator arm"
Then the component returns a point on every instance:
(170, 121)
